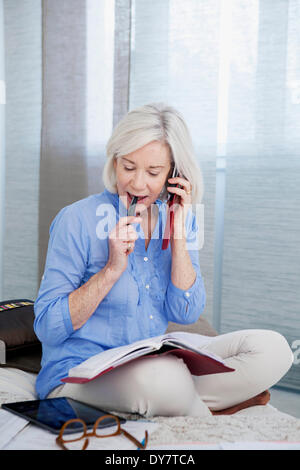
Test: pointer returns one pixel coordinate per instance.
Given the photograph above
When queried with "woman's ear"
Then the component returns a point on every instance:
(171, 172)
(164, 192)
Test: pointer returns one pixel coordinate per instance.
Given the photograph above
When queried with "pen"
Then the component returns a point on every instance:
(131, 210)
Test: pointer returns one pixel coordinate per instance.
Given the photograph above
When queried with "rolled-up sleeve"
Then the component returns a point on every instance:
(186, 306)
(64, 269)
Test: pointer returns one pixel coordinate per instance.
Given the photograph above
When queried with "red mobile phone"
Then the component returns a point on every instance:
(170, 215)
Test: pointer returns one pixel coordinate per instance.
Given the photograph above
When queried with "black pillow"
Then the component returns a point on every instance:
(22, 347)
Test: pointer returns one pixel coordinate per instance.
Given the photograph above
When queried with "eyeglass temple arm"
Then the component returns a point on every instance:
(134, 440)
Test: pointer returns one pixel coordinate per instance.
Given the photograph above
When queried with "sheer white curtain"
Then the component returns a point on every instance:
(233, 69)
(261, 268)
(174, 59)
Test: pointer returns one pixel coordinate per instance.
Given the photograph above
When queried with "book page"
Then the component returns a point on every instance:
(114, 356)
(191, 341)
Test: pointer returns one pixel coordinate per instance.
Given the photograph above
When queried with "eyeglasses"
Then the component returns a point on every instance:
(98, 431)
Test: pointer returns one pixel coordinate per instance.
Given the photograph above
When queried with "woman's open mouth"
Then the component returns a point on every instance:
(140, 198)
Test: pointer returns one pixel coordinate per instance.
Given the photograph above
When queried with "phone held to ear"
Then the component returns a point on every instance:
(170, 215)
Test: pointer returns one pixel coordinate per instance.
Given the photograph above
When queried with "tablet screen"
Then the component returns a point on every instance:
(52, 413)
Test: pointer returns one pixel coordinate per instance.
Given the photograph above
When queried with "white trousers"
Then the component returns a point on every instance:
(164, 386)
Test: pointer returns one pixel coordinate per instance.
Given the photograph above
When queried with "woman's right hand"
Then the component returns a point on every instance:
(119, 238)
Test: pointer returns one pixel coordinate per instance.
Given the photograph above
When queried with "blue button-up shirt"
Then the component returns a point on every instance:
(139, 305)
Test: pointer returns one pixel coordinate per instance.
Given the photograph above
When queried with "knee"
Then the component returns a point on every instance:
(276, 351)
(284, 354)
(164, 386)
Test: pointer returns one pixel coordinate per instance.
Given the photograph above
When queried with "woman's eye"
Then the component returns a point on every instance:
(132, 169)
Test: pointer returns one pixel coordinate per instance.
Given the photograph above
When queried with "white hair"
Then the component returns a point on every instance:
(154, 122)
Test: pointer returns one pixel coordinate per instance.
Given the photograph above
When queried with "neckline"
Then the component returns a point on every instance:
(154, 231)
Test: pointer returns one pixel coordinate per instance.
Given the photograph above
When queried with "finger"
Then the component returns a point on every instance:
(124, 236)
(130, 228)
(129, 248)
(130, 244)
(180, 192)
(131, 219)
(177, 180)
(186, 185)
(121, 233)
(130, 238)
(123, 227)
(130, 234)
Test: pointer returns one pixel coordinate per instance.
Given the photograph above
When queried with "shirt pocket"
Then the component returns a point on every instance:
(159, 289)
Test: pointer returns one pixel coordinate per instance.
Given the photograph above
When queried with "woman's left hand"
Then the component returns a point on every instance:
(182, 204)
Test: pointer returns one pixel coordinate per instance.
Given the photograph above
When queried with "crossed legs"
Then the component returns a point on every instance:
(163, 385)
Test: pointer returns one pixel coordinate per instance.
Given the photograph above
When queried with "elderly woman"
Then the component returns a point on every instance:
(107, 283)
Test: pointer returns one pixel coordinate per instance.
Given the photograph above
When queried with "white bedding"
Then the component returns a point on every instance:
(256, 424)
(16, 385)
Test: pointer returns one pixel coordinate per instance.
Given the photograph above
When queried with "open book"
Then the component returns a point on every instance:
(188, 346)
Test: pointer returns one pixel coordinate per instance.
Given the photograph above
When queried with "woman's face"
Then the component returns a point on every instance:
(143, 173)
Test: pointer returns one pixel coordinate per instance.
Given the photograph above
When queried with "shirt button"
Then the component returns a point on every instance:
(187, 294)
(151, 317)
(147, 286)
(145, 259)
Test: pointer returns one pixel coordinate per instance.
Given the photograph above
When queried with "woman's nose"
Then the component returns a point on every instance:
(138, 181)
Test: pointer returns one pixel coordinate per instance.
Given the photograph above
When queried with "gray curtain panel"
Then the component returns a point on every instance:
(23, 76)
(78, 42)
